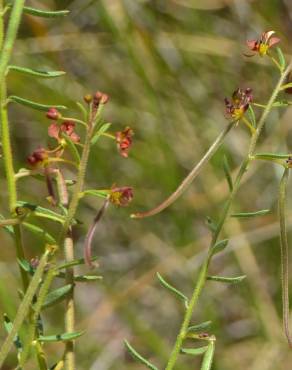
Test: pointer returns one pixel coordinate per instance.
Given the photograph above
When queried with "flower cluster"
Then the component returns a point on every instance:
(124, 141)
(239, 103)
(67, 127)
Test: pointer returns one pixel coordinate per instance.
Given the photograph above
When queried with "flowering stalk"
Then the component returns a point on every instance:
(204, 269)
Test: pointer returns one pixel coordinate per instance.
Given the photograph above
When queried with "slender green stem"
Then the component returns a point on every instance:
(204, 269)
(37, 309)
(284, 254)
(190, 177)
(24, 307)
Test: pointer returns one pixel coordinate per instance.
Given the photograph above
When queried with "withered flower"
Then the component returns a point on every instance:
(38, 157)
(121, 196)
(239, 103)
(263, 44)
(124, 141)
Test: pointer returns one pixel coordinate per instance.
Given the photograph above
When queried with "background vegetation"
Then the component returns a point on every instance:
(167, 66)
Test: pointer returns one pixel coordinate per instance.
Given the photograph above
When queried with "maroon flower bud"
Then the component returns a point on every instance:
(39, 156)
(53, 113)
(121, 196)
(100, 98)
(124, 141)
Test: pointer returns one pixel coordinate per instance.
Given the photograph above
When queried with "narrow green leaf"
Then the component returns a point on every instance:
(227, 173)
(25, 265)
(230, 280)
(97, 193)
(138, 357)
(208, 356)
(60, 337)
(281, 58)
(76, 262)
(72, 148)
(166, 285)
(194, 351)
(211, 224)
(252, 116)
(250, 214)
(45, 13)
(40, 232)
(219, 246)
(34, 105)
(101, 131)
(57, 296)
(41, 211)
(200, 327)
(81, 278)
(271, 156)
(8, 327)
(36, 72)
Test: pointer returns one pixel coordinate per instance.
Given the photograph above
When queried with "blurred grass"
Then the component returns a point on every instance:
(167, 66)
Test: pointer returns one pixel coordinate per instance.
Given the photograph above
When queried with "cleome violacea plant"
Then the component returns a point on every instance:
(71, 140)
(240, 108)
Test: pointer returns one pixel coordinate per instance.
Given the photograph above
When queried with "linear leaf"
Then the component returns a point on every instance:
(281, 58)
(219, 247)
(8, 327)
(250, 214)
(39, 231)
(227, 173)
(271, 156)
(34, 105)
(230, 280)
(60, 337)
(81, 278)
(252, 116)
(36, 72)
(57, 296)
(200, 327)
(45, 13)
(41, 211)
(194, 351)
(76, 262)
(101, 131)
(25, 265)
(97, 193)
(208, 356)
(138, 357)
(166, 285)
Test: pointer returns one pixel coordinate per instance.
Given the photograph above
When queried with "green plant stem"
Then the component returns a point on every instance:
(24, 307)
(66, 239)
(204, 269)
(37, 309)
(284, 255)
(190, 177)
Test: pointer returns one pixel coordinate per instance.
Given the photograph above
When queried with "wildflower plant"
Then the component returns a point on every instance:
(71, 140)
(241, 108)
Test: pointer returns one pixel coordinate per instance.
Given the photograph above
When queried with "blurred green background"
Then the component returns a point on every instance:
(167, 66)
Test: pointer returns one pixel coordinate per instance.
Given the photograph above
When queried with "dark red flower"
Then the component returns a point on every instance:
(239, 103)
(53, 113)
(263, 44)
(38, 157)
(124, 141)
(121, 196)
(67, 127)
